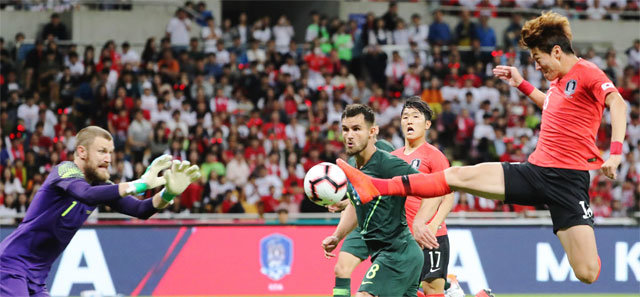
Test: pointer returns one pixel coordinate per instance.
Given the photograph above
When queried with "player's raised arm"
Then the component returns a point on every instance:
(178, 179)
(511, 75)
(75, 182)
(618, 109)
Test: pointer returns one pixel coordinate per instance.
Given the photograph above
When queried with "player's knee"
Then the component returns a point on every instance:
(342, 271)
(433, 285)
(587, 273)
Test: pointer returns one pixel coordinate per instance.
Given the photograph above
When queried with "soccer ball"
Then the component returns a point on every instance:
(325, 184)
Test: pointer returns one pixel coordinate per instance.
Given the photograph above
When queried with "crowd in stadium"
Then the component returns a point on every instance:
(256, 109)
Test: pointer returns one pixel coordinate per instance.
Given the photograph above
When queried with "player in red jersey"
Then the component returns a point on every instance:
(426, 213)
(556, 173)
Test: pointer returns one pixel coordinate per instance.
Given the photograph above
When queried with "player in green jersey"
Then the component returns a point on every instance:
(382, 222)
(354, 250)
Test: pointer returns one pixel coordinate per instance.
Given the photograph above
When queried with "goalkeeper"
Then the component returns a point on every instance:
(68, 196)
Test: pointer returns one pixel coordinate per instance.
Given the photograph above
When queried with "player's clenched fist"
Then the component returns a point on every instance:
(329, 244)
(611, 165)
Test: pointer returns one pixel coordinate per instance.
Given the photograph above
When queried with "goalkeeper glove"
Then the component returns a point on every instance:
(178, 179)
(150, 178)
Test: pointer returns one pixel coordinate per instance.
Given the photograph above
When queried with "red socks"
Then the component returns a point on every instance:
(421, 185)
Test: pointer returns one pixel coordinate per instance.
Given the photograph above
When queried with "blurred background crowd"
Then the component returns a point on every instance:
(256, 109)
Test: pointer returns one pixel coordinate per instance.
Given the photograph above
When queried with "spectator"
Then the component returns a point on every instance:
(169, 67)
(242, 28)
(12, 184)
(76, 67)
(139, 135)
(511, 36)
(269, 185)
(343, 42)
(261, 31)
(129, 56)
(633, 55)
(485, 33)
(465, 30)
(592, 57)
(391, 17)
(599, 206)
(178, 30)
(400, 34)
(203, 14)
(396, 69)
(418, 32)
(55, 29)
(439, 33)
(283, 33)
(595, 11)
(291, 68)
(28, 112)
(210, 35)
(313, 29)
(380, 35)
(238, 169)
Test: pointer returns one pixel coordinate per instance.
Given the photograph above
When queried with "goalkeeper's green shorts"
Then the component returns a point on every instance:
(355, 245)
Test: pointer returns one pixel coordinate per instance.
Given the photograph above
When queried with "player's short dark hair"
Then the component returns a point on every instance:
(353, 110)
(416, 102)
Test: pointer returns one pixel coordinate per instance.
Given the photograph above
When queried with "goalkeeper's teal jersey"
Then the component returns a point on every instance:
(383, 219)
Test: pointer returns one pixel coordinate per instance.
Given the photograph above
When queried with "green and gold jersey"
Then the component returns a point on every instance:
(380, 144)
(383, 219)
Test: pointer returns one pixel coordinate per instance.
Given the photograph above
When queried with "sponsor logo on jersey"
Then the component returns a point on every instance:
(276, 256)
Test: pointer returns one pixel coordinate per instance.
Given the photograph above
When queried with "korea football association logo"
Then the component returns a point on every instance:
(570, 88)
(276, 256)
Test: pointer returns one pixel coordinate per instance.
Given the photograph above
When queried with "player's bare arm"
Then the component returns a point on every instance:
(426, 235)
(443, 210)
(618, 109)
(348, 222)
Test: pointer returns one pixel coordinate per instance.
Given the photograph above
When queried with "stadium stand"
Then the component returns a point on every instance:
(256, 109)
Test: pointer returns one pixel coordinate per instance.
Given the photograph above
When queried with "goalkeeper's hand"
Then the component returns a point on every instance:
(178, 178)
(150, 178)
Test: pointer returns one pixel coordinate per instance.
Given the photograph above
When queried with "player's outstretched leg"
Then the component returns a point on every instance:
(361, 182)
(422, 185)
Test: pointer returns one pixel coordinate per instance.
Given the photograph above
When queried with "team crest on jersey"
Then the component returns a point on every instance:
(276, 256)
(415, 163)
(570, 88)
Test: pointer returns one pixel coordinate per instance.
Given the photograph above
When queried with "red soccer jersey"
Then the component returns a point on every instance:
(571, 116)
(426, 159)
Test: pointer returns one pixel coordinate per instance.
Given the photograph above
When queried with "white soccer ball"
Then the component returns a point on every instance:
(325, 184)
